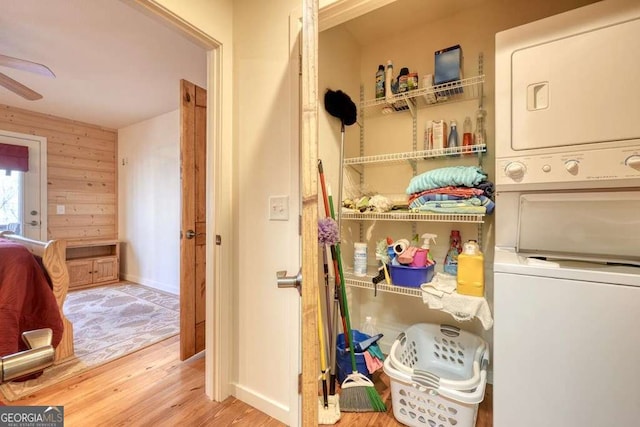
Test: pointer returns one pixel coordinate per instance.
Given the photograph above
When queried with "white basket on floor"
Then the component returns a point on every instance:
(443, 355)
(416, 405)
(438, 375)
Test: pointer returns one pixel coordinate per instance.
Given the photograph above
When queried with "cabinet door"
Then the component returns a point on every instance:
(105, 270)
(80, 272)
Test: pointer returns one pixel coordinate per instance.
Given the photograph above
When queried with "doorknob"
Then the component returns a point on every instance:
(34, 223)
(190, 234)
(285, 281)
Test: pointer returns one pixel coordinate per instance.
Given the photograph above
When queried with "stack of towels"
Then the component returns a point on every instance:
(457, 190)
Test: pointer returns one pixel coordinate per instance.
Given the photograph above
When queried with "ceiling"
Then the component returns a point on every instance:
(401, 15)
(114, 65)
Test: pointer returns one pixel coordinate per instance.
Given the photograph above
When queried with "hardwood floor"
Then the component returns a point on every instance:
(153, 388)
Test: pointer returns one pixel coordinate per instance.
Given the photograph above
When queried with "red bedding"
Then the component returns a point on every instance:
(26, 299)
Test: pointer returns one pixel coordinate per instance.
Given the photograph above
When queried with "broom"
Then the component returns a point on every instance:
(358, 391)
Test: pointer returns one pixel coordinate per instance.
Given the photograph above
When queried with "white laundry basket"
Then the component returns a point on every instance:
(444, 355)
(420, 401)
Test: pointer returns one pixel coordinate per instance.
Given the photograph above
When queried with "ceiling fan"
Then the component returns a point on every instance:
(24, 65)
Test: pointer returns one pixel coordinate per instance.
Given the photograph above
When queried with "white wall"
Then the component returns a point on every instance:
(149, 202)
(266, 165)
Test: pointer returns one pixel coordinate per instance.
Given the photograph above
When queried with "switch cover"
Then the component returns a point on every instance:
(279, 208)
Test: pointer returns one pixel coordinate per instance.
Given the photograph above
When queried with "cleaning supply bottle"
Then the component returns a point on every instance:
(451, 260)
(388, 78)
(360, 259)
(467, 136)
(480, 135)
(452, 141)
(471, 270)
(427, 238)
(380, 82)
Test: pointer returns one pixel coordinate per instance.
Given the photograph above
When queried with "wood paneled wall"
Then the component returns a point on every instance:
(81, 173)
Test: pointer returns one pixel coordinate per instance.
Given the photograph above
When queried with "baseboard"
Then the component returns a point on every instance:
(262, 403)
(150, 283)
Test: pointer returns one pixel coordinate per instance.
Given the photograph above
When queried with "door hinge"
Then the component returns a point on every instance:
(218, 240)
(299, 383)
(299, 225)
(300, 64)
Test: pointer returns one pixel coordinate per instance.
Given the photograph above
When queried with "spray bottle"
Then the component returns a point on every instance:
(426, 240)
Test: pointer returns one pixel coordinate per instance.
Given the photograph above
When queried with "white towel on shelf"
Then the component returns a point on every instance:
(440, 294)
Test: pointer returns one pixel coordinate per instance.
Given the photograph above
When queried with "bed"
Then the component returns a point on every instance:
(51, 256)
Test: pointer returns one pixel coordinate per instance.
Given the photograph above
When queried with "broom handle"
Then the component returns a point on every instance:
(323, 355)
(345, 304)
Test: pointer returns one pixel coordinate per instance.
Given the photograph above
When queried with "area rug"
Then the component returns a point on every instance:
(108, 322)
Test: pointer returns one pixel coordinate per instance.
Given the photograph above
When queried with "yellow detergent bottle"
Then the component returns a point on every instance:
(471, 270)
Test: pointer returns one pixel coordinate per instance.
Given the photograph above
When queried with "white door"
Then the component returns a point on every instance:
(23, 195)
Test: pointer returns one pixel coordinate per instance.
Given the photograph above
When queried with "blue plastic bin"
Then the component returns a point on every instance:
(343, 359)
(412, 277)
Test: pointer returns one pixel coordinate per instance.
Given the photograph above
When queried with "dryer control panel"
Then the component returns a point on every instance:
(595, 168)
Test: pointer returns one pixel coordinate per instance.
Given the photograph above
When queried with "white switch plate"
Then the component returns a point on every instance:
(279, 208)
(60, 209)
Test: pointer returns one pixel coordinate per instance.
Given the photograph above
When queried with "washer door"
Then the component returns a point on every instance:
(565, 353)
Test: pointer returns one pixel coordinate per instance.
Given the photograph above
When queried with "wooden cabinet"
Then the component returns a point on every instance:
(92, 263)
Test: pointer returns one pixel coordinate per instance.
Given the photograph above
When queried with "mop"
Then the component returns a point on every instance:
(329, 405)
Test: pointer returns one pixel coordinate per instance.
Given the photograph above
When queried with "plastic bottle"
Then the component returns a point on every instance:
(453, 141)
(380, 86)
(369, 327)
(360, 259)
(388, 78)
(428, 135)
(403, 78)
(467, 136)
(480, 135)
(427, 238)
(471, 270)
(455, 247)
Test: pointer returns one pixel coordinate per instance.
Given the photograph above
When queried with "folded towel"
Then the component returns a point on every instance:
(436, 203)
(468, 176)
(461, 307)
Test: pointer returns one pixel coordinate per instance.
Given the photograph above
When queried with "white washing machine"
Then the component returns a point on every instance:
(566, 343)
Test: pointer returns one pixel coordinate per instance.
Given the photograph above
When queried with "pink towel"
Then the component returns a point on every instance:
(373, 363)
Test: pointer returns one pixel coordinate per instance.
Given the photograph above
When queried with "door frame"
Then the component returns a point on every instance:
(42, 163)
(218, 296)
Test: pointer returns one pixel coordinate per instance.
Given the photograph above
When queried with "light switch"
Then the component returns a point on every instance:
(60, 209)
(279, 208)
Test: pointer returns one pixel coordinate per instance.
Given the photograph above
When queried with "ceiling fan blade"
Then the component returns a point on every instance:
(18, 88)
(23, 64)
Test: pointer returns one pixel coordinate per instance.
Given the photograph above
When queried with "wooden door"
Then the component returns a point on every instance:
(309, 171)
(193, 111)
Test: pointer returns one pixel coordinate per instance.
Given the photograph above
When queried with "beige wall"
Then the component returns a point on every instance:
(474, 29)
(81, 173)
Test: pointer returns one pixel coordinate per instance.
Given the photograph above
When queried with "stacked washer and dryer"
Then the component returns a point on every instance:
(567, 259)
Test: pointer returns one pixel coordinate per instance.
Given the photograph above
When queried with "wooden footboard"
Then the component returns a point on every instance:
(53, 254)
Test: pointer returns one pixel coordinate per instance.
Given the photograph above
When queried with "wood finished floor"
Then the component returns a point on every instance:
(153, 388)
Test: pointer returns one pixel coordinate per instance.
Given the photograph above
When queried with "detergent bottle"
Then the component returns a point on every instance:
(471, 270)
(451, 260)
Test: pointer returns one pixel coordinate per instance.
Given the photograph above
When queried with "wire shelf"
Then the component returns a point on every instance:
(412, 216)
(417, 155)
(461, 90)
(366, 283)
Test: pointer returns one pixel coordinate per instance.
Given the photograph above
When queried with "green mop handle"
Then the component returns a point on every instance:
(345, 304)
